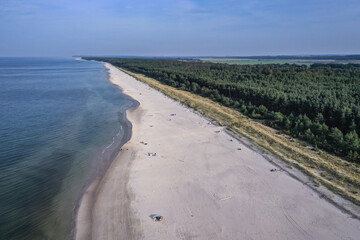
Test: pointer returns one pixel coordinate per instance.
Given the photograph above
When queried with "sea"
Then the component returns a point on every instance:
(61, 122)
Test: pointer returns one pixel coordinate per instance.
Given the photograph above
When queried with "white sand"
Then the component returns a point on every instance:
(201, 183)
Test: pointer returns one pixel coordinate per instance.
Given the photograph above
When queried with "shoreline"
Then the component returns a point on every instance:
(84, 205)
(203, 185)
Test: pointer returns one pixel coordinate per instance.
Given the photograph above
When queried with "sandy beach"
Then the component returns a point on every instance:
(205, 183)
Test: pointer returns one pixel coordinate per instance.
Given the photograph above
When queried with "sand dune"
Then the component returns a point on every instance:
(205, 183)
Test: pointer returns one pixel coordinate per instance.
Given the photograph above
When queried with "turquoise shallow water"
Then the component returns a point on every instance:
(59, 120)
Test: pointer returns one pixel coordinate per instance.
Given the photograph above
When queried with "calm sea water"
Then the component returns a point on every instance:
(59, 119)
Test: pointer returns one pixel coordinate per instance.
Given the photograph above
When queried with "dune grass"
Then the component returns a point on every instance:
(338, 175)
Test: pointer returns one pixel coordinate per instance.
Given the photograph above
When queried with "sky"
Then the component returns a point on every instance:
(179, 27)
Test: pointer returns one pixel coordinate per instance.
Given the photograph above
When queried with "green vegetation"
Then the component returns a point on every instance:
(319, 104)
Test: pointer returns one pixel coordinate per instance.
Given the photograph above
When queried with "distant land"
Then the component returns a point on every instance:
(299, 57)
(251, 60)
(268, 57)
(285, 59)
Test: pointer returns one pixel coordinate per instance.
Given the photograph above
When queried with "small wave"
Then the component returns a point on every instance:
(113, 140)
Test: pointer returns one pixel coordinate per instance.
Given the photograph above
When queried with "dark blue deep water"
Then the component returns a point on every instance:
(60, 119)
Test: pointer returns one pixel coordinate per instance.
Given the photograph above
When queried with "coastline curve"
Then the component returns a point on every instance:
(82, 213)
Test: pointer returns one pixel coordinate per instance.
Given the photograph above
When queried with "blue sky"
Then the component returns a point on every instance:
(178, 27)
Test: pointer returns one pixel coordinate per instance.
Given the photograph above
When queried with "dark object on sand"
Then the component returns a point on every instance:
(157, 218)
(275, 170)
